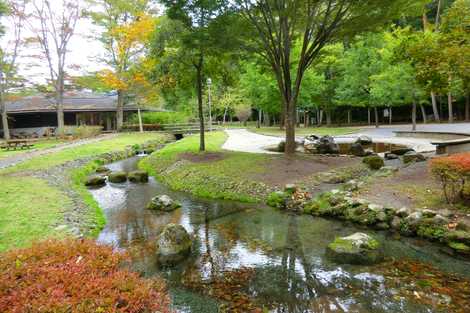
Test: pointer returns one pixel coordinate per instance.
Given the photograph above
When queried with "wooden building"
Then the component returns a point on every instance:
(37, 114)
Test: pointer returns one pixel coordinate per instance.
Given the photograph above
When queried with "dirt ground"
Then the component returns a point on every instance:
(281, 170)
(203, 157)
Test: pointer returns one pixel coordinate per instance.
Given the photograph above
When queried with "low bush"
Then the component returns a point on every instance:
(374, 162)
(160, 118)
(83, 131)
(146, 127)
(75, 276)
(453, 172)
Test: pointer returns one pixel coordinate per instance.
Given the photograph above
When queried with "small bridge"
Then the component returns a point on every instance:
(179, 130)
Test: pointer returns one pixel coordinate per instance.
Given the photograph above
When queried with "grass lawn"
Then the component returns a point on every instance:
(211, 174)
(333, 131)
(38, 145)
(87, 150)
(29, 210)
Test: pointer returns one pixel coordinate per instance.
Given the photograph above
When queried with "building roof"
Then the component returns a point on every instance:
(72, 103)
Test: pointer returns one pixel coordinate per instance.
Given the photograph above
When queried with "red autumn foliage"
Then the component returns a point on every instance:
(453, 172)
(75, 276)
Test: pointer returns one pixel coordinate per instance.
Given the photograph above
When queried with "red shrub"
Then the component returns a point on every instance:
(75, 276)
(453, 172)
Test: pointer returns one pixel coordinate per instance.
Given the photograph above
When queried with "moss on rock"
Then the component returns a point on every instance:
(374, 162)
(278, 199)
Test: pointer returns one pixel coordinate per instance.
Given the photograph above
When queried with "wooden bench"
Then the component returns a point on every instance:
(452, 146)
(15, 144)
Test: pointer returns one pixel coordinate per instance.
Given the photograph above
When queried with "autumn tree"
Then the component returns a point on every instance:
(15, 12)
(126, 28)
(315, 23)
(53, 25)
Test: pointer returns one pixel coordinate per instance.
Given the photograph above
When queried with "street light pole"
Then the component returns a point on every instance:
(209, 83)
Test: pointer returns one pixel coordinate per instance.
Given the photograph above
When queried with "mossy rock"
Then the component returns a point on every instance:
(117, 177)
(163, 203)
(458, 236)
(429, 230)
(374, 162)
(138, 176)
(95, 181)
(358, 248)
(459, 247)
(277, 199)
(102, 170)
(173, 245)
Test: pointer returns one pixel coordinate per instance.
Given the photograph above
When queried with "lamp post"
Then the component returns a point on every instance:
(209, 83)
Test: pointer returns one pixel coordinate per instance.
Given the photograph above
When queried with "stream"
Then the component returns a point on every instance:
(265, 258)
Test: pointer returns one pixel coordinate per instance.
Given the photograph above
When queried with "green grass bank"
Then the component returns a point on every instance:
(215, 173)
(31, 208)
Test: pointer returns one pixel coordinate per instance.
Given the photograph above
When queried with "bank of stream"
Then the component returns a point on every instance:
(251, 258)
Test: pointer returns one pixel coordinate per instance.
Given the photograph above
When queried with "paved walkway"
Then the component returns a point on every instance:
(246, 141)
(18, 158)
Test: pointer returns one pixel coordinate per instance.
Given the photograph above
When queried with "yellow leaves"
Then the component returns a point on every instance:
(112, 80)
(134, 34)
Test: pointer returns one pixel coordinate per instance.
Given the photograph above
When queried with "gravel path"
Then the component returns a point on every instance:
(18, 158)
(245, 141)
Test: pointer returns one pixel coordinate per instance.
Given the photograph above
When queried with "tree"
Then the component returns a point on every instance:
(202, 36)
(455, 43)
(15, 11)
(53, 26)
(280, 23)
(127, 27)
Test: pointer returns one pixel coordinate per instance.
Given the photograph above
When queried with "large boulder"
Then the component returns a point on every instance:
(173, 244)
(163, 203)
(327, 145)
(374, 162)
(357, 149)
(358, 248)
(401, 151)
(138, 176)
(95, 181)
(413, 156)
(117, 177)
(364, 140)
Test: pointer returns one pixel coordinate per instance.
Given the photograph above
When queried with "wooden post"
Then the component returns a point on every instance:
(141, 127)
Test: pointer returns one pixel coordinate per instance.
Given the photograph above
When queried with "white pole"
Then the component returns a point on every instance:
(141, 127)
(209, 83)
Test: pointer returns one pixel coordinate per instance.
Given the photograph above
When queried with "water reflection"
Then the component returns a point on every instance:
(281, 255)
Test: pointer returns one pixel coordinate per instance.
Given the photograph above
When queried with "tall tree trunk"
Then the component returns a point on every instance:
(225, 114)
(435, 111)
(413, 115)
(320, 116)
(60, 113)
(423, 112)
(349, 117)
(328, 117)
(376, 115)
(449, 104)
(467, 107)
(290, 124)
(260, 115)
(266, 118)
(3, 107)
(282, 120)
(390, 116)
(306, 118)
(202, 143)
(368, 116)
(120, 110)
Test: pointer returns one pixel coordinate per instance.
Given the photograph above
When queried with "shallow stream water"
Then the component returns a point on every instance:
(268, 258)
